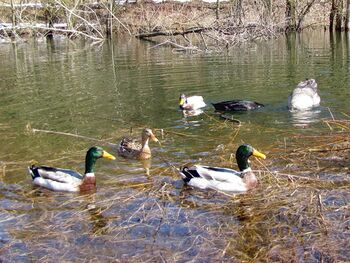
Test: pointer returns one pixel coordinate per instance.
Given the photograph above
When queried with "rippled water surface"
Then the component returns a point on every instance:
(107, 91)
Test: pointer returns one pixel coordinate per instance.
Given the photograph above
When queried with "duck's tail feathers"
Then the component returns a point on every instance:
(187, 174)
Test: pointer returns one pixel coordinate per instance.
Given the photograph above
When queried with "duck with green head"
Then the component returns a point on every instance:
(58, 179)
(225, 179)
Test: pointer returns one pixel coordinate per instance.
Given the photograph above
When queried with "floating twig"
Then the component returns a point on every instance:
(33, 130)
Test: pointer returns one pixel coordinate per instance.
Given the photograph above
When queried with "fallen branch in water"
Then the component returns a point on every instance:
(33, 130)
(171, 33)
(173, 44)
(176, 133)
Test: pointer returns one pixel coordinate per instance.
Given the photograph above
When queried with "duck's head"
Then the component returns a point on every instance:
(310, 83)
(92, 155)
(96, 152)
(243, 153)
(148, 134)
(182, 100)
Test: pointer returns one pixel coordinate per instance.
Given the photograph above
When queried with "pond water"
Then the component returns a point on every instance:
(105, 91)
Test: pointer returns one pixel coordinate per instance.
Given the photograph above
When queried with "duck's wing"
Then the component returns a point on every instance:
(218, 173)
(129, 147)
(210, 173)
(196, 102)
(55, 174)
(217, 178)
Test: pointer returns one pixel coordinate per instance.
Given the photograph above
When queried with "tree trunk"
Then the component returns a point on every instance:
(267, 11)
(304, 12)
(331, 15)
(290, 15)
(13, 11)
(218, 9)
(347, 14)
(339, 15)
(238, 11)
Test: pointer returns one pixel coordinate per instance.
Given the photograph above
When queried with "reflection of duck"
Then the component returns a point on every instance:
(132, 148)
(302, 118)
(237, 105)
(304, 96)
(191, 113)
(191, 103)
(58, 179)
(224, 179)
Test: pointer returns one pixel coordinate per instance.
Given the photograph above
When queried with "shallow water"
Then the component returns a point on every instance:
(105, 91)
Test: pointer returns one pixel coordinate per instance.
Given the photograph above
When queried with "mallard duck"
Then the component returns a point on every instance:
(224, 179)
(304, 96)
(237, 105)
(132, 148)
(58, 179)
(191, 103)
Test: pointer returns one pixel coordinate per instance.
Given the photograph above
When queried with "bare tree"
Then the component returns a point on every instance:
(339, 15)
(238, 12)
(290, 15)
(347, 14)
(305, 10)
(336, 16)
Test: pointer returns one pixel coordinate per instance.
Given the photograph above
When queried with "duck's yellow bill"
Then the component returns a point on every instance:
(108, 156)
(182, 102)
(259, 154)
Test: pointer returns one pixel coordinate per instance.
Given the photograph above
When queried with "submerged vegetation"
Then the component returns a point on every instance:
(299, 212)
(189, 26)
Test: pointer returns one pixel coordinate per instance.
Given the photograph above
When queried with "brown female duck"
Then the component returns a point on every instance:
(132, 148)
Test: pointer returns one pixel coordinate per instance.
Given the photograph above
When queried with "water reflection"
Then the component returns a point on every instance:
(304, 118)
(98, 221)
(191, 113)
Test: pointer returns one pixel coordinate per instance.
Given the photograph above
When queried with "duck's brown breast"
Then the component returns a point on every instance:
(88, 184)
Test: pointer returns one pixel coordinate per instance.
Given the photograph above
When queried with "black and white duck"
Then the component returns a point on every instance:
(225, 179)
(58, 179)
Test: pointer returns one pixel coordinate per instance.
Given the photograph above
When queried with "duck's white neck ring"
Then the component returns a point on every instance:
(90, 175)
(247, 170)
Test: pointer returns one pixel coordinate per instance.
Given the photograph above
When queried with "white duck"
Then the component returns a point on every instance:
(191, 103)
(304, 96)
(58, 179)
(225, 179)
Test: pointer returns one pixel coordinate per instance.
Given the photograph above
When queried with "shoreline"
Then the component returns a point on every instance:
(191, 26)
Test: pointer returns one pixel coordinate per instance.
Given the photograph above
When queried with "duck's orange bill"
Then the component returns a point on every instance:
(108, 156)
(154, 138)
(259, 154)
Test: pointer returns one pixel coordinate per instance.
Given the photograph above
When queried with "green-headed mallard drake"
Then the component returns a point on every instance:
(304, 96)
(191, 103)
(58, 179)
(132, 148)
(225, 179)
(237, 105)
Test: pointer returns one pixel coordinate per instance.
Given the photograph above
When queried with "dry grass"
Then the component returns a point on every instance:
(234, 26)
(300, 212)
